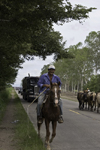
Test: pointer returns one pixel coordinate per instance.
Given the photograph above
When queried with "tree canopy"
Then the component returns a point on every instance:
(26, 29)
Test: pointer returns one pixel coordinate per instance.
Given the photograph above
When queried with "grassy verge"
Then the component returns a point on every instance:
(25, 135)
(69, 98)
(5, 96)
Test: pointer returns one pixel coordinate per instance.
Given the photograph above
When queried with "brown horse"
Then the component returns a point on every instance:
(51, 112)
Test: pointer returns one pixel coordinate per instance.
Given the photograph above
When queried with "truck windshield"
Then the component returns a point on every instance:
(34, 80)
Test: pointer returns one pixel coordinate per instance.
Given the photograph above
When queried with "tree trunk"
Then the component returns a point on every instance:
(72, 87)
(82, 84)
(65, 87)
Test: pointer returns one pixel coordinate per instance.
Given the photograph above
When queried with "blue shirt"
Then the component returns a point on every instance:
(44, 79)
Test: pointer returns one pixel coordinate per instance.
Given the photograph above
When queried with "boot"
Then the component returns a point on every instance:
(60, 120)
(39, 119)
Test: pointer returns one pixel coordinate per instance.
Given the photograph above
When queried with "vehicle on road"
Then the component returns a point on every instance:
(30, 88)
(20, 91)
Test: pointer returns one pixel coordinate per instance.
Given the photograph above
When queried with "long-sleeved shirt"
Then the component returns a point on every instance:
(44, 79)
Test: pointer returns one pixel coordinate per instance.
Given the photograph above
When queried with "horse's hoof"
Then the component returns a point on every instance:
(48, 147)
(46, 142)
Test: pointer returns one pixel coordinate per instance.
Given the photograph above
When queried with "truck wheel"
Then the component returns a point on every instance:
(24, 97)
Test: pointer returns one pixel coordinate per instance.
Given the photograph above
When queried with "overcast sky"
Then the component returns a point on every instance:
(72, 32)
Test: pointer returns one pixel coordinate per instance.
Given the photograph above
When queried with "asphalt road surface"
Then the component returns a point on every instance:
(80, 130)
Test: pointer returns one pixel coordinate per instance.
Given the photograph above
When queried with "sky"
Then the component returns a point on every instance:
(72, 33)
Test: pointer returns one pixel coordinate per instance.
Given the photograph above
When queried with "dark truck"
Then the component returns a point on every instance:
(30, 88)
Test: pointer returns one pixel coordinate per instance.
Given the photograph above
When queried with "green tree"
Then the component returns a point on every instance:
(31, 22)
(26, 29)
(94, 83)
(93, 46)
(76, 71)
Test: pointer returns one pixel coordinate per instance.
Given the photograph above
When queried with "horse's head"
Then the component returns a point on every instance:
(55, 93)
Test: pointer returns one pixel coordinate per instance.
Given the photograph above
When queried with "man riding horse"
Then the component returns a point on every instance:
(44, 84)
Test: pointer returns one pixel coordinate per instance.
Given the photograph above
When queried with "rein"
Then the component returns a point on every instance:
(36, 98)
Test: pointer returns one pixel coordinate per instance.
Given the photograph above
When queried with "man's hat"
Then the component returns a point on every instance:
(51, 67)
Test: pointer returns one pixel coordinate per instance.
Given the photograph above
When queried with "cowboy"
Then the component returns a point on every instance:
(43, 83)
(86, 92)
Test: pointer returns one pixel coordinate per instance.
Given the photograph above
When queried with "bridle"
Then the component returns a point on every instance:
(54, 94)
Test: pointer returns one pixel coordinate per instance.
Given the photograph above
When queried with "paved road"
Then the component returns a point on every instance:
(80, 130)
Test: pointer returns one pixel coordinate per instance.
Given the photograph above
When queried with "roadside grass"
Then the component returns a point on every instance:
(5, 96)
(69, 98)
(25, 134)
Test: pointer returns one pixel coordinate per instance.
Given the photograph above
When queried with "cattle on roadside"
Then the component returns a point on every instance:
(85, 99)
(80, 95)
(91, 100)
(94, 101)
(98, 102)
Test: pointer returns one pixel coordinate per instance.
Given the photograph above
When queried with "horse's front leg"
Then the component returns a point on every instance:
(47, 122)
(94, 105)
(39, 126)
(86, 105)
(83, 105)
(54, 125)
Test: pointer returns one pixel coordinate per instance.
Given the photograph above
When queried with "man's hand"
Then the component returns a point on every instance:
(46, 85)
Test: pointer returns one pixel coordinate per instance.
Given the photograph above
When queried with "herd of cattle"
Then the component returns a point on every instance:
(89, 100)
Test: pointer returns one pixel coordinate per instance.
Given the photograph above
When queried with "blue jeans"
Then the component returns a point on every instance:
(40, 102)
